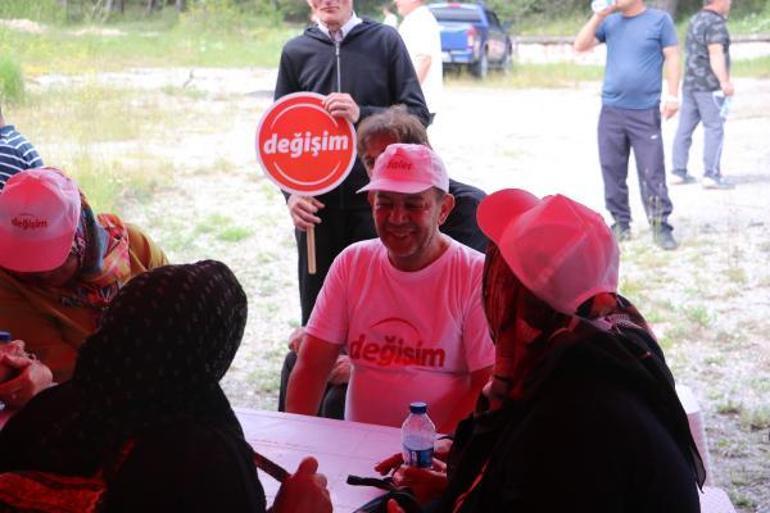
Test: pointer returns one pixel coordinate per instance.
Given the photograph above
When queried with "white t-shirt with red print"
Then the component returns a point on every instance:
(411, 336)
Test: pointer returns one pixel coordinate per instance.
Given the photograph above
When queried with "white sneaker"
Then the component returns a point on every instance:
(710, 182)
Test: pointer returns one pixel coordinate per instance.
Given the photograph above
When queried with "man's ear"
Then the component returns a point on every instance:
(370, 197)
(447, 204)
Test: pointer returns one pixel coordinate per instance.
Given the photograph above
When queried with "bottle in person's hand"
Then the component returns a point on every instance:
(600, 5)
(417, 436)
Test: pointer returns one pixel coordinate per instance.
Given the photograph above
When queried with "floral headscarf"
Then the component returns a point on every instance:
(101, 248)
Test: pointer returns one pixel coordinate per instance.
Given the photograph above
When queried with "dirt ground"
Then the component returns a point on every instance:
(708, 300)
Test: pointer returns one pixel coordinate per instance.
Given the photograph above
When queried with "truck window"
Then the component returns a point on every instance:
(493, 21)
(456, 14)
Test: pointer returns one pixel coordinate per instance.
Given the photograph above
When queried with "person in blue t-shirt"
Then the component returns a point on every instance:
(641, 43)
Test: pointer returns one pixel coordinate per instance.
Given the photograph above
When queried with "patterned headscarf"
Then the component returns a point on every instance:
(165, 342)
(101, 248)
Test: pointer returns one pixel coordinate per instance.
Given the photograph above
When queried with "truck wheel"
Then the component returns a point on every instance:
(480, 68)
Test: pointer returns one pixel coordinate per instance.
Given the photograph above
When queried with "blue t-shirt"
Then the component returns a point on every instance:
(633, 76)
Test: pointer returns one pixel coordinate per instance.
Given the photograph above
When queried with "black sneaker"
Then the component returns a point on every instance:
(621, 231)
(665, 240)
(681, 177)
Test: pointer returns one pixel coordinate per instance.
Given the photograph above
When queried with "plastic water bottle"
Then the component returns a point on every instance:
(600, 5)
(417, 436)
(726, 102)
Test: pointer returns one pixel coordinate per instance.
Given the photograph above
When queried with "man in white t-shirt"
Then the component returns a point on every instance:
(406, 306)
(422, 37)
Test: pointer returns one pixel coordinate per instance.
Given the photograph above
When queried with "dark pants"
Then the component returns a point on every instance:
(339, 228)
(333, 403)
(700, 107)
(621, 130)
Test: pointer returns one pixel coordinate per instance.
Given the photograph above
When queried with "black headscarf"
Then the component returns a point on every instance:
(167, 339)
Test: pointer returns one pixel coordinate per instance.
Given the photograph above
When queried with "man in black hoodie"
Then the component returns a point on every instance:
(363, 67)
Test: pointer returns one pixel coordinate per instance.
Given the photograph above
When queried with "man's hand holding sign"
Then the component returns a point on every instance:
(306, 145)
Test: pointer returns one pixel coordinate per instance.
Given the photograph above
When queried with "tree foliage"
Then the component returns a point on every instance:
(297, 10)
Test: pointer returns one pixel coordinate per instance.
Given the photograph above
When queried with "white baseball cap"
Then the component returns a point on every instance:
(561, 250)
(39, 214)
(408, 168)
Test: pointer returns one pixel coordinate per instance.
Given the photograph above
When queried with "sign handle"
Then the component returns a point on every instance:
(311, 250)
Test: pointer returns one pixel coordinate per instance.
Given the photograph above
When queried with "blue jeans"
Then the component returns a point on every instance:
(700, 107)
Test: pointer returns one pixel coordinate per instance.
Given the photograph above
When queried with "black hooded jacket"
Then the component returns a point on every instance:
(374, 68)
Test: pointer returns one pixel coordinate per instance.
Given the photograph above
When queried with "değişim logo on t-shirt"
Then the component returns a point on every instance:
(394, 341)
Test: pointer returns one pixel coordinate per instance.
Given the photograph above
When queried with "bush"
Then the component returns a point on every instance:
(11, 81)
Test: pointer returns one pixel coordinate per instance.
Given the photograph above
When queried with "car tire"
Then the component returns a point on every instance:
(507, 63)
(480, 68)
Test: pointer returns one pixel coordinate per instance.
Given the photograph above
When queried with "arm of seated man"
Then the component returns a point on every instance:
(307, 383)
(467, 403)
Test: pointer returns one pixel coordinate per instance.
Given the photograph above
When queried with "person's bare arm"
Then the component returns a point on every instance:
(672, 72)
(466, 404)
(422, 66)
(719, 67)
(308, 379)
(586, 38)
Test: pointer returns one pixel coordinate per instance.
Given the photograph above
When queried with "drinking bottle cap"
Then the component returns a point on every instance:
(418, 407)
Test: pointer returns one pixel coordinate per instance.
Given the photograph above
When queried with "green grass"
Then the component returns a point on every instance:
(11, 81)
(58, 50)
(754, 68)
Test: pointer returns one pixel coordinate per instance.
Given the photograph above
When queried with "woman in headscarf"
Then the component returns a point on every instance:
(144, 419)
(581, 413)
(60, 266)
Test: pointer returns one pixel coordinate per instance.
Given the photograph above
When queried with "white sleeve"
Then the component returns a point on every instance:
(478, 346)
(329, 319)
(418, 42)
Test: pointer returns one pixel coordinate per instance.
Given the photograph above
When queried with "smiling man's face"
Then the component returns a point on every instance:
(332, 13)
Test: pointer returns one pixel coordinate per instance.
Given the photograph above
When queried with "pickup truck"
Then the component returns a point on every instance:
(472, 37)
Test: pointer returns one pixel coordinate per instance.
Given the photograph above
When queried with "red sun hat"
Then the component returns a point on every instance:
(561, 250)
(39, 214)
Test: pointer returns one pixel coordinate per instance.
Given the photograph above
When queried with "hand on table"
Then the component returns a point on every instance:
(302, 210)
(441, 450)
(32, 377)
(304, 491)
(426, 484)
(342, 105)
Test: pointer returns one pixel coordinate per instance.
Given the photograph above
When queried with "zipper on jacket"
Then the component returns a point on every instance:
(339, 71)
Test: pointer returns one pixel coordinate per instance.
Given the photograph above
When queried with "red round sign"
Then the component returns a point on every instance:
(302, 148)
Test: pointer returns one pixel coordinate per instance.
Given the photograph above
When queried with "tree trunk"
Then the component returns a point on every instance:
(150, 7)
(181, 5)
